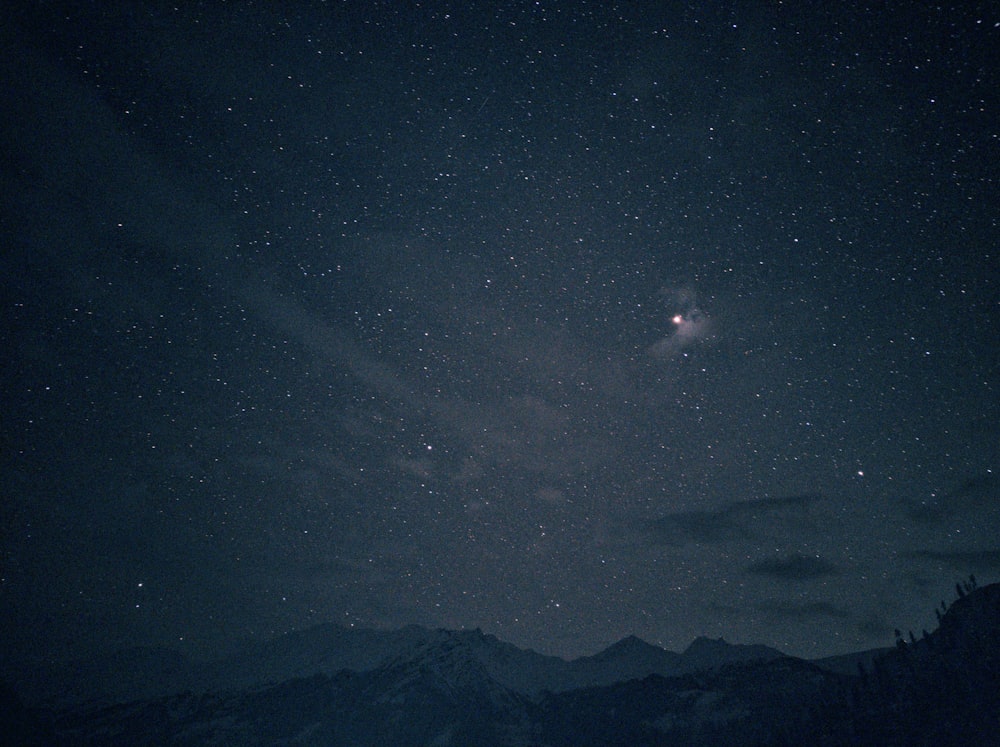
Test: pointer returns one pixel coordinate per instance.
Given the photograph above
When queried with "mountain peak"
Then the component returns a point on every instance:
(704, 643)
(709, 653)
(627, 646)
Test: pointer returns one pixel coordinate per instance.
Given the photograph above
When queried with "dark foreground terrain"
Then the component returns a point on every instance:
(330, 686)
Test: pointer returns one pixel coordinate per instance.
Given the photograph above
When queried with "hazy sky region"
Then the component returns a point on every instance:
(566, 321)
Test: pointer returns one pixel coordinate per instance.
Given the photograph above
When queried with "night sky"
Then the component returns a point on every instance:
(566, 321)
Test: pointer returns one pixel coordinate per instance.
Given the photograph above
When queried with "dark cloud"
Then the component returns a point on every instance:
(793, 567)
(975, 492)
(732, 521)
(963, 559)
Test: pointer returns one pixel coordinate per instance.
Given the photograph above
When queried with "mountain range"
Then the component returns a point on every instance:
(330, 685)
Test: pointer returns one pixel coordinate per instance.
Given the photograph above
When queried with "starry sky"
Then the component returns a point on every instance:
(563, 320)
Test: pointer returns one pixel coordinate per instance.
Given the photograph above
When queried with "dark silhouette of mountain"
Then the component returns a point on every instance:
(18, 724)
(328, 649)
(940, 689)
(129, 674)
(848, 663)
(440, 693)
(760, 702)
(419, 686)
(708, 653)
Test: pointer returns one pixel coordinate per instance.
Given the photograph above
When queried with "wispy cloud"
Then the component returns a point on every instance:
(689, 327)
(526, 431)
(688, 324)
